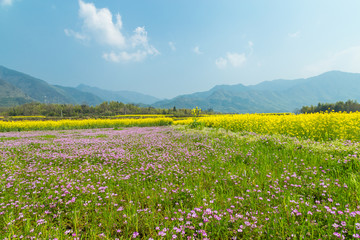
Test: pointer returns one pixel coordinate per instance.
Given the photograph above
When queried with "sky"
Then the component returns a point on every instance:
(166, 48)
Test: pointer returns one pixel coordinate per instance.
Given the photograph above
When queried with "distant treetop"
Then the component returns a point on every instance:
(348, 106)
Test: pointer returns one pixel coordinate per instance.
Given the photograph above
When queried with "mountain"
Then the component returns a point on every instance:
(18, 88)
(34, 89)
(11, 95)
(76, 96)
(272, 96)
(120, 96)
(269, 96)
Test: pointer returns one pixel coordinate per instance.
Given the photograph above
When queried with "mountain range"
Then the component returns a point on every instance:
(273, 96)
(119, 96)
(269, 96)
(18, 88)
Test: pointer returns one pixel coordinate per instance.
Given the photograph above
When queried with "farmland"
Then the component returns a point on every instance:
(174, 182)
(315, 126)
(27, 125)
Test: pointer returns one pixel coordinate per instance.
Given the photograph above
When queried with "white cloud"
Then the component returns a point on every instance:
(233, 59)
(111, 57)
(74, 34)
(294, 35)
(139, 39)
(172, 46)
(125, 56)
(98, 25)
(197, 50)
(347, 60)
(221, 63)
(6, 2)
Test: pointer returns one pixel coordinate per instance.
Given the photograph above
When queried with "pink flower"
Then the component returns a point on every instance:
(161, 233)
(135, 234)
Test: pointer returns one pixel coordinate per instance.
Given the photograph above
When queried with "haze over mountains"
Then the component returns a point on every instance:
(273, 96)
(269, 96)
(119, 96)
(18, 88)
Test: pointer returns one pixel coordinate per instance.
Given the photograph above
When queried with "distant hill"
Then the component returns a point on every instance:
(38, 90)
(272, 96)
(120, 96)
(269, 96)
(11, 95)
(18, 88)
(76, 96)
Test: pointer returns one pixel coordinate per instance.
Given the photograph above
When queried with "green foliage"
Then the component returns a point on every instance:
(196, 113)
(104, 109)
(348, 106)
(195, 116)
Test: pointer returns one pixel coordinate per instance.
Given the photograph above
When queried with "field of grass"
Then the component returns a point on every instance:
(176, 183)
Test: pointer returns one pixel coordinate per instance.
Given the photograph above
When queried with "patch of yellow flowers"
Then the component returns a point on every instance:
(317, 126)
(27, 125)
(143, 116)
(21, 117)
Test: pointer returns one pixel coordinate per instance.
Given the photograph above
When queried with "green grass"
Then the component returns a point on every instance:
(177, 181)
(48, 136)
(8, 138)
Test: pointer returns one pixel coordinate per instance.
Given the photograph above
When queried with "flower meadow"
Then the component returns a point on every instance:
(176, 183)
(316, 126)
(323, 126)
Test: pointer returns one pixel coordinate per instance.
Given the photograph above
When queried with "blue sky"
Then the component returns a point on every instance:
(166, 48)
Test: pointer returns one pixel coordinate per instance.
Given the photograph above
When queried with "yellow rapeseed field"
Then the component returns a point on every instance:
(143, 116)
(317, 126)
(22, 117)
(27, 125)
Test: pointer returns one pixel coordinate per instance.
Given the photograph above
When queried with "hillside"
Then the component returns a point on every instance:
(11, 95)
(38, 90)
(272, 96)
(18, 88)
(120, 96)
(76, 96)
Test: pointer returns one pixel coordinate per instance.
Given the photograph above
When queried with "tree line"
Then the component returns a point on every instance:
(104, 109)
(348, 106)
